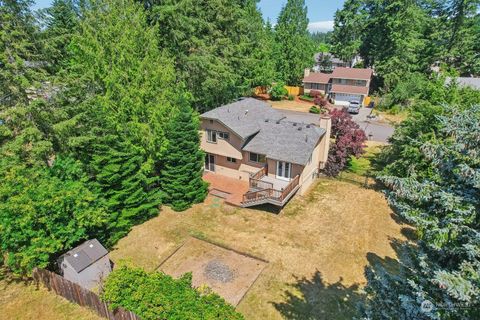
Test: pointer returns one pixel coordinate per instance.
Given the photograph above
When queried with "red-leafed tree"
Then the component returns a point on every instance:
(320, 101)
(349, 141)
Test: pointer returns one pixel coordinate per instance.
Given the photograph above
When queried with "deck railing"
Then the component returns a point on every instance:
(259, 174)
(259, 184)
(292, 185)
(270, 193)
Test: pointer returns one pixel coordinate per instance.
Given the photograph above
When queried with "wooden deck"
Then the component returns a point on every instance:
(230, 189)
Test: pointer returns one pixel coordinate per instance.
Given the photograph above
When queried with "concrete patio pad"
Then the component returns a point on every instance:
(226, 272)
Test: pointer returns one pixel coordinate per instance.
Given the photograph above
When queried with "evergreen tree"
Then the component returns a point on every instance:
(19, 52)
(217, 46)
(439, 277)
(60, 22)
(347, 31)
(117, 101)
(295, 45)
(391, 42)
(123, 175)
(181, 178)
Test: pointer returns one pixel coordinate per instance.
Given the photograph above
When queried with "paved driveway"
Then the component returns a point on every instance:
(375, 130)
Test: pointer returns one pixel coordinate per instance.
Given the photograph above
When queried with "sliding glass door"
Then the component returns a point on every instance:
(210, 162)
(284, 170)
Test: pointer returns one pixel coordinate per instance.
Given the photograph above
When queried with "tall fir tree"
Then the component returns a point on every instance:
(181, 177)
(296, 47)
(347, 31)
(217, 46)
(19, 52)
(60, 22)
(117, 100)
(123, 174)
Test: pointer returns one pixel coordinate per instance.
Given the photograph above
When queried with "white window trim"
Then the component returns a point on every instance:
(212, 132)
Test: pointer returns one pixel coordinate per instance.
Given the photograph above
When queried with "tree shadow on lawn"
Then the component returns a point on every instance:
(312, 299)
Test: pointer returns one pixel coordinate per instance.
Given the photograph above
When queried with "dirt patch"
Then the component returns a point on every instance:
(228, 273)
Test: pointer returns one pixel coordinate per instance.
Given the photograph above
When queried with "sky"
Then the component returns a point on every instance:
(320, 12)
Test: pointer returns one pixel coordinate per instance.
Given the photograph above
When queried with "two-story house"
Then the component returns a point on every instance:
(342, 85)
(250, 141)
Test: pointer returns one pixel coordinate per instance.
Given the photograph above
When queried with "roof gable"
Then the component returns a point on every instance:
(317, 77)
(352, 73)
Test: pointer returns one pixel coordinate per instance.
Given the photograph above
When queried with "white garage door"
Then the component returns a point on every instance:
(343, 99)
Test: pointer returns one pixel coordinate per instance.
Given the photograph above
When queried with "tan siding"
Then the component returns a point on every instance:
(230, 148)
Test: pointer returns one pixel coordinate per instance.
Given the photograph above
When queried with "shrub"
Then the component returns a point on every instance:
(278, 92)
(306, 98)
(314, 109)
(291, 97)
(315, 93)
(155, 295)
(320, 101)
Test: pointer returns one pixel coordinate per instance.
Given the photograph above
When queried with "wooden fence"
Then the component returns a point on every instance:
(79, 295)
(296, 91)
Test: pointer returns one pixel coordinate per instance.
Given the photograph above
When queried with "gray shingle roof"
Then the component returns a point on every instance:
(244, 117)
(286, 141)
(85, 254)
(271, 132)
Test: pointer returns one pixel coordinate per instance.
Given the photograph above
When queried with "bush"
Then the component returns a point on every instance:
(156, 295)
(314, 109)
(315, 93)
(306, 98)
(320, 101)
(291, 97)
(359, 166)
(278, 92)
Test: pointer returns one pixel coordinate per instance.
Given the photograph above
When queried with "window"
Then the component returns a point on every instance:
(255, 157)
(343, 81)
(232, 160)
(212, 136)
(360, 83)
(223, 135)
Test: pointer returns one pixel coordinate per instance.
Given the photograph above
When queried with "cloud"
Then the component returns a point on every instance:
(320, 26)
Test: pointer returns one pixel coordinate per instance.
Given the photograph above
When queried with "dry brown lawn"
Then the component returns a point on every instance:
(25, 302)
(317, 247)
(296, 105)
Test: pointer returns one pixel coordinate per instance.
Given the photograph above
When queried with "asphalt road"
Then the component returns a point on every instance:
(375, 130)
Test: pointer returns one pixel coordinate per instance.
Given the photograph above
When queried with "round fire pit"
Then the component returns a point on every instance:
(218, 271)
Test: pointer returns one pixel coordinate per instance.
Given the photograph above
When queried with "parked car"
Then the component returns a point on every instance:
(354, 107)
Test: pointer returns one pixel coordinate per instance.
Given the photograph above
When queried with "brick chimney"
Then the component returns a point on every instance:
(306, 73)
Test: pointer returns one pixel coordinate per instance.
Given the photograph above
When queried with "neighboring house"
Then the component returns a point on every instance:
(342, 85)
(250, 141)
(87, 265)
(325, 61)
(471, 82)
